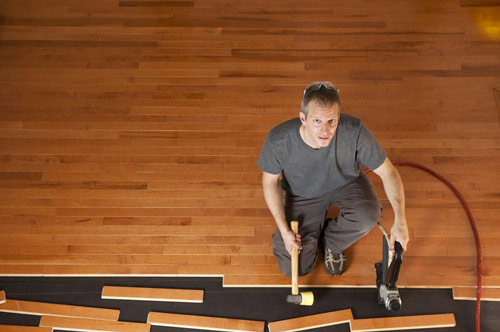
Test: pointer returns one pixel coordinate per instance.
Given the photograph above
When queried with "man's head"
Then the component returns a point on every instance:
(320, 114)
(324, 93)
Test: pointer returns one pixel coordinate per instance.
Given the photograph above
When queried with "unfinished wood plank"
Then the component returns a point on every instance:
(470, 293)
(91, 325)
(63, 310)
(16, 328)
(403, 323)
(312, 321)
(152, 294)
(204, 322)
(2, 297)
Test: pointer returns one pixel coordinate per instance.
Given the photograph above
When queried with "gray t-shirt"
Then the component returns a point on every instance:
(309, 172)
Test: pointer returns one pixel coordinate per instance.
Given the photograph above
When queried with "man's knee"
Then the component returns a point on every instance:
(365, 214)
(306, 264)
(307, 257)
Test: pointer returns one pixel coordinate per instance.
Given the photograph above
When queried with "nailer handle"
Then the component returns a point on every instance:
(396, 264)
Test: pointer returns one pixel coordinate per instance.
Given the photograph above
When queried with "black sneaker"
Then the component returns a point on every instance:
(334, 264)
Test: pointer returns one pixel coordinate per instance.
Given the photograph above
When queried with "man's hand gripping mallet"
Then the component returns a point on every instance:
(305, 298)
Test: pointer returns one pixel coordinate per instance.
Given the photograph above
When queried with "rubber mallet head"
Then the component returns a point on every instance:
(305, 298)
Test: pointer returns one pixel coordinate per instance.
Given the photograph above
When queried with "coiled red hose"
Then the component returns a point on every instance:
(474, 229)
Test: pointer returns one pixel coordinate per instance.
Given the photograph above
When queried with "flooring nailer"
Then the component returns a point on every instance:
(387, 274)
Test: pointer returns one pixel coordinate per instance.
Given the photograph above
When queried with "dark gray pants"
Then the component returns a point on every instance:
(360, 211)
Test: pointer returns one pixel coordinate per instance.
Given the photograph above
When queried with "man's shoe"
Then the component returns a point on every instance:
(334, 264)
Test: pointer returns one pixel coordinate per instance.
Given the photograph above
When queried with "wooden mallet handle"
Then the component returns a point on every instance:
(295, 261)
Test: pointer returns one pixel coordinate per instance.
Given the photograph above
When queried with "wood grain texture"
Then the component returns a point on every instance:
(403, 323)
(152, 294)
(204, 322)
(130, 131)
(15, 328)
(51, 309)
(496, 92)
(84, 324)
(469, 293)
(312, 321)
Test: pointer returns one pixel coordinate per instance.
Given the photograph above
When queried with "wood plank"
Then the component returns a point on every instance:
(312, 321)
(91, 325)
(403, 323)
(276, 279)
(496, 93)
(204, 322)
(470, 293)
(479, 3)
(137, 230)
(152, 294)
(118, 269)
(63, 310)
(119, 259)
(16, 328)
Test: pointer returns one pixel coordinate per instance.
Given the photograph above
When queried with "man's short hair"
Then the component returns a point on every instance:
(323, 92)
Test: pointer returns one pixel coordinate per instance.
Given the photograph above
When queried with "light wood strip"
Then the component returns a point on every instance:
(137, 230)
(204, 322)
(470, 293)
(312, 321)
(52, 309)
(2, 297)
(16, 328)
(91, 325)
(403, 323)
(110, 269)
(496, 93)
(152, 294)
(104, 260)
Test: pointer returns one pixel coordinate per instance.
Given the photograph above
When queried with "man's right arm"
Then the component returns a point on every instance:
(272, 195)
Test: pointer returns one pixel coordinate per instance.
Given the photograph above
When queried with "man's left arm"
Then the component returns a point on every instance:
(394, 190)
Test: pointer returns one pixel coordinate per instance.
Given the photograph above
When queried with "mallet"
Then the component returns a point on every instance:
(305, 298)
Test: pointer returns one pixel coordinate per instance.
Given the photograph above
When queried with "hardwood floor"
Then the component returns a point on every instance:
(130, 130)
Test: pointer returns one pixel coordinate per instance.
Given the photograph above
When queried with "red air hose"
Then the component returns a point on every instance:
(474, 228)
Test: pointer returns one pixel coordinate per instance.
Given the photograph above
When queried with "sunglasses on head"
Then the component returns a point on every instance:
(317, 86)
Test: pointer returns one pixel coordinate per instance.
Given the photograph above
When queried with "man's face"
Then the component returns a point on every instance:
(320, 125)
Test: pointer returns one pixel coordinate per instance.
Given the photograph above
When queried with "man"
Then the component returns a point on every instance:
(318, 157)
